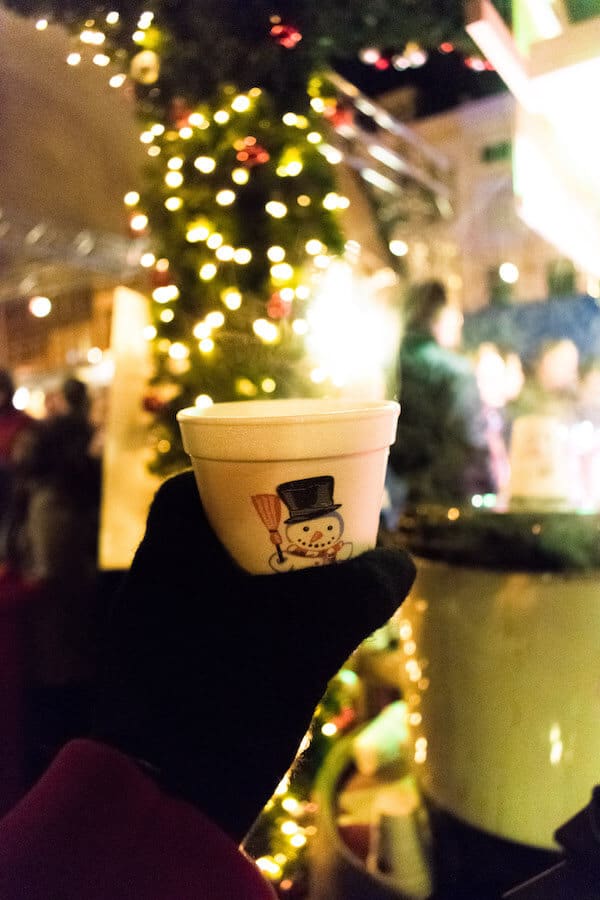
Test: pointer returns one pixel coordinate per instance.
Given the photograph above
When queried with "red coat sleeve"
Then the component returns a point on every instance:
(96, 826)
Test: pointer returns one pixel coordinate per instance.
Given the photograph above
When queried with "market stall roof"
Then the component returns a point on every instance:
(70, 151)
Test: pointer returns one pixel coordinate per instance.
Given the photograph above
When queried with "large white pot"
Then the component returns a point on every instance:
(501, 671)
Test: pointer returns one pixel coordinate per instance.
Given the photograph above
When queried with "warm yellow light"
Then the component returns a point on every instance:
(287, 294)
(231, 298)
(164, 344)
(268, 866)
(331, 154)
(203, 401)
(201, 330)
(100, 59)
(221, 117)
(145, 19)
(167, 315)
(329, 729)
(276, 254)
(94, 38)
(289, 118)
(196, 233)
(205, 164)
(215, 318)
(242, 256)
(298, 840)
(173, 203)
(313, 137)
(291, 805)
(265, 330)
(177, 350)
(225, 253)
(302, 292)
(41, 24)
(282, 272)
(154, 150)
(40, 307)
(245, 387)
(268, 385)
(166, 293)
(138, 36)
(112, 17)
(197, 120)
(138, 222)
(303, 200)
(322, 261)
(453, 513)
(314, 246)
(163, 446)
(289, 827)
(398, 248)
(240, 103)
(317, 104)
(173, 179)
(215, 240)
(157, 129)
(208, 271)
(300, 326)
(508, 272)
(146, 137)
(330, 201)
(73, 59)
(240, 176)
(206, 345)
(225, 197)
(131, 198)
(115, 81)
(149, 332)
(185, 133)
(276, 209)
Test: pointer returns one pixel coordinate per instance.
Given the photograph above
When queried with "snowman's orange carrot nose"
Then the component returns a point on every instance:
(316, 536)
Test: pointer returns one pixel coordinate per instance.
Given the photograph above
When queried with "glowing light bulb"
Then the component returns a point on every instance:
(166, 293)
(240, 176)
(276, 209)
(131, 198)
(314, 246)
(225, 253)
(215, 319)
(205, 164)
(115, 81)
(221, 117)
(138, 222)
(149, 332)
(206, 345)
(174, 179)
(398, 248)
(215, 240)
(242, 256)
(225, 197)
(203, 401)
(282, 272)
(240, 103)
(40, 307)
(208, 271)
(231, 298)
(173, 203)
(276, 254)
(73, 59)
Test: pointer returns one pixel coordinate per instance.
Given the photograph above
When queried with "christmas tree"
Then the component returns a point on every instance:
(239, 206)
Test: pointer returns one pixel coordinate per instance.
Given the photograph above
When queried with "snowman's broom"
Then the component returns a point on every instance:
(268, 506)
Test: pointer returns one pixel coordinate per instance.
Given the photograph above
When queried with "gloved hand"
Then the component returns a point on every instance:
(212, 675)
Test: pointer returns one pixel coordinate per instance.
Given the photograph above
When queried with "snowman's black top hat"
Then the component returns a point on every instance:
(308, 498)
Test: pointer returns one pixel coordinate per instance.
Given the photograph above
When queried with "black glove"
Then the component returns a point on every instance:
(212, 675)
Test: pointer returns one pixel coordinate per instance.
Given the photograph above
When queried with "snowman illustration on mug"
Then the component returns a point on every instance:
(313, 529)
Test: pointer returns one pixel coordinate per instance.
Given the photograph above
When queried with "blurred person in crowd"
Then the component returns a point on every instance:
(588, 401)
(552, 382)
(500, 378)
(53, 545)
(14, 424)
(440, 454)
